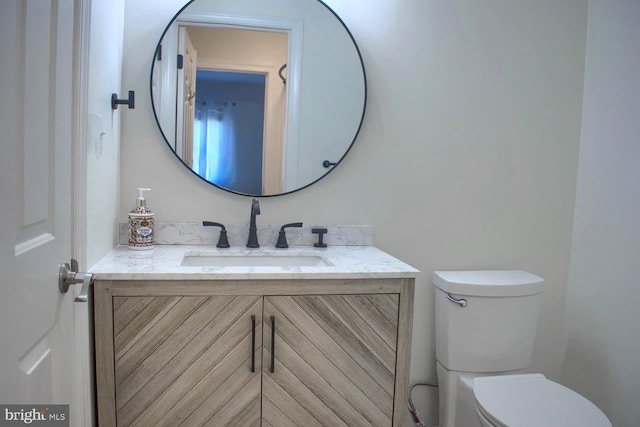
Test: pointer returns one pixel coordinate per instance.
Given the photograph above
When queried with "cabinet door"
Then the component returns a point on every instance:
(333, 362)
(187, 360)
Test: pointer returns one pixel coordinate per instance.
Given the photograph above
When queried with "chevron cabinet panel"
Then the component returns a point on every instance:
(184, 359)
(330, 358)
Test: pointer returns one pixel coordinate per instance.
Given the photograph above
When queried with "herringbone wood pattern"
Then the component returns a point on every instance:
(335, 360)
(186, 360)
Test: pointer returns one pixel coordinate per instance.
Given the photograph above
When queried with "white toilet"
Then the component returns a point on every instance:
(485, 327)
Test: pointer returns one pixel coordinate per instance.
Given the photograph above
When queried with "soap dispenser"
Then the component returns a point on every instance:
(141, 224)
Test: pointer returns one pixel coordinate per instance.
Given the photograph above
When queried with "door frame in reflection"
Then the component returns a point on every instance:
(273, 122)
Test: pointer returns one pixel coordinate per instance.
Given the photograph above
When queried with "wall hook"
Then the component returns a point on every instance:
(129, 101)
(327, 164)
(284, 79)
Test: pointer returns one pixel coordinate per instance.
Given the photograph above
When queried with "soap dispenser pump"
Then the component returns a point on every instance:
(141, 224)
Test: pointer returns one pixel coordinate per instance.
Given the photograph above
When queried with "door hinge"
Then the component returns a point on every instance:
(180, 62)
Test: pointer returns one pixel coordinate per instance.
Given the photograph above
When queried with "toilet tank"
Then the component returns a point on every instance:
(495, 330)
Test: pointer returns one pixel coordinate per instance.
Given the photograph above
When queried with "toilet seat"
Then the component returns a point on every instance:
(532, 400)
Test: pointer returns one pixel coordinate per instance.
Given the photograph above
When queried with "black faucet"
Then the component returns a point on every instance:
(253, 235)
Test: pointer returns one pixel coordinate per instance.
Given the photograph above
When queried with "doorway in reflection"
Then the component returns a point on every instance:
(229, 129)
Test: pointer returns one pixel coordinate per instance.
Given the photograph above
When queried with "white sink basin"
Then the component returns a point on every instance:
(260, 258)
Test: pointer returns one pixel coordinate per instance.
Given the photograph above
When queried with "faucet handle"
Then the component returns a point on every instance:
(223, 242)
(282, 237)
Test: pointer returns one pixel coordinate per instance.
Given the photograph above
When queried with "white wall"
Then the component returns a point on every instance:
(103, 151)
(602, 348)
(467, 158)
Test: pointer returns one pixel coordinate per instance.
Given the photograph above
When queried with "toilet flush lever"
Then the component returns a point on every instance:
(461, 302)
(67, 277)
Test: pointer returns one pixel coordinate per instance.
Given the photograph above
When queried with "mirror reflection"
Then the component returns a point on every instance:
(258, 99)
(238, 84)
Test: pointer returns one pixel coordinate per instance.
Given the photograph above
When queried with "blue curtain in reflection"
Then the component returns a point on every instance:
(214, 155)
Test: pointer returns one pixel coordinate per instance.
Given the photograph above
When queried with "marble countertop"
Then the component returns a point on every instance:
(164, 263)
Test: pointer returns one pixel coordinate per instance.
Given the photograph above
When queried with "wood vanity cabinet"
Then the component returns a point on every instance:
(253, 353)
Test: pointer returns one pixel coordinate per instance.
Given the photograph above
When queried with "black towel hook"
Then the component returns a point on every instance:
(284, 79)
(129, 101)
(327, 164)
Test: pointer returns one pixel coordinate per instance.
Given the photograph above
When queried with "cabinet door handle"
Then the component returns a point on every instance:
(253, 343)
(273, 344)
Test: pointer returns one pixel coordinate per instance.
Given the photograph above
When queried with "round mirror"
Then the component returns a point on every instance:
(258, 98)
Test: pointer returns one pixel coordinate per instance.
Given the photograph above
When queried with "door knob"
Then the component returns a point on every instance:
(67, 276)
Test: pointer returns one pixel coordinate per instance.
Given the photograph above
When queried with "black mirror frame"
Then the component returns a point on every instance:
(333, 165)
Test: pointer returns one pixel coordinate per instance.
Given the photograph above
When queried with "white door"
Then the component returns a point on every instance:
(36, 121)
(186, 97)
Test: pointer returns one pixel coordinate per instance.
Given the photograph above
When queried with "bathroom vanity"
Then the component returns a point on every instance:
(199, 336)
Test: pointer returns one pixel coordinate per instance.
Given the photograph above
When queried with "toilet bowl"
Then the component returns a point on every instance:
(485, 328)
(532, 401)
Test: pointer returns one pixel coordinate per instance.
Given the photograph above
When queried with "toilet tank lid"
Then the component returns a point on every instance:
(489, 283)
